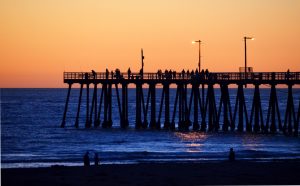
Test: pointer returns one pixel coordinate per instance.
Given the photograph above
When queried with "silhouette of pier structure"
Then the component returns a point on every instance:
(204, 106)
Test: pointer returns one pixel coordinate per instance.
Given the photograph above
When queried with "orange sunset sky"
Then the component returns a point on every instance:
(40, 39)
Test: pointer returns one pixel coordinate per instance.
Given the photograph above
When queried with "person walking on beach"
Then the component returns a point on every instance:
(86, 159)
(96, 159)
(231, 155)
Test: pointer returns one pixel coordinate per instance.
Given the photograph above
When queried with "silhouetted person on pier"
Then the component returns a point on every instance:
(159, 72)
(183, 72)
(166, 74)
(188, 74)
(129, 73)
(170, 73)
(287, 76)
(86, 76)
(192, 73)
(96, 159)
(174, 74)
(231, 155)
(112, 74)
(118, 73)
(206, 73)
(86, 159)
(106, 73)
(94, 74)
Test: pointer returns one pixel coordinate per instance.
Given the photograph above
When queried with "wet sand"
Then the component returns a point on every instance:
(239, 172)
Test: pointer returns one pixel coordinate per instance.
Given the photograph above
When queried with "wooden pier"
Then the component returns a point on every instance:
(206, 111)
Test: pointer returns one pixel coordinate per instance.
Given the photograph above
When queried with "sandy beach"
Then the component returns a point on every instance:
(283, 172)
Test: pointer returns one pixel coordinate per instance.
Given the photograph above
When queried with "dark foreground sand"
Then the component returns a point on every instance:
(158, 174)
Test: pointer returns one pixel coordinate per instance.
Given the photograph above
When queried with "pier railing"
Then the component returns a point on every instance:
(217, 76)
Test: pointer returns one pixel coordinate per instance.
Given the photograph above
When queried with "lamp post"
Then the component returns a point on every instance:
(199, 66)
(199, 62)
(245, 42)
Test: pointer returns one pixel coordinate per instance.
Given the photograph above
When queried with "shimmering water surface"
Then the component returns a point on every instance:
(31, 135)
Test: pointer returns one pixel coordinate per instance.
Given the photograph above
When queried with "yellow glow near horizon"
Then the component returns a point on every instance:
(41, 39)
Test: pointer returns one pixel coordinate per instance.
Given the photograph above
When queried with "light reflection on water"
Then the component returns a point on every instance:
(193, 140)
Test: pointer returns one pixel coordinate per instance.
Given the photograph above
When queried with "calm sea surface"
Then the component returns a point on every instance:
(31, 135)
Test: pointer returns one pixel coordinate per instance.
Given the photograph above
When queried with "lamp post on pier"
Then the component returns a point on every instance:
(199, 66)
(245, 42)
(199, 62)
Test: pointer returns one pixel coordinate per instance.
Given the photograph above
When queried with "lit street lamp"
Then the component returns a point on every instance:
(199, 62)
(199, 66)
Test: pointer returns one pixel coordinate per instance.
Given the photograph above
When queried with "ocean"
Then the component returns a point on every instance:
(31, 135)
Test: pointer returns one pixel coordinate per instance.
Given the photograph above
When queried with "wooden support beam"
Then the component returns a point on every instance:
(187, 121)
(181, 107)
(78, 107)
(166, 90)
(144, 107)
(212, 109)
(290, 117)
(256, 111)
(95, 102)
(109, 124)
(119, 104)
(273, 111)
(160, 108)
(100, 108)
(240, 106)
(203, 93)
(105, 110)
(153, 106)
(195, 93)
(138, 120)
(87, 121)
(172, 127)
(63, 123)
(225, 104)
(124, 118)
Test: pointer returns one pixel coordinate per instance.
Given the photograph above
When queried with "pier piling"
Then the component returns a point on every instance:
(63, 123)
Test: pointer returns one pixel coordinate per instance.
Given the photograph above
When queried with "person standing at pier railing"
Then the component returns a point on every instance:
(206, 73)
(182, 72)
(106, 73)
(159, 72)
(287, 75)
(174, 74)
(170, 74)
(192, 73)
(112, 74)
(94, 74)
(129, 73)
